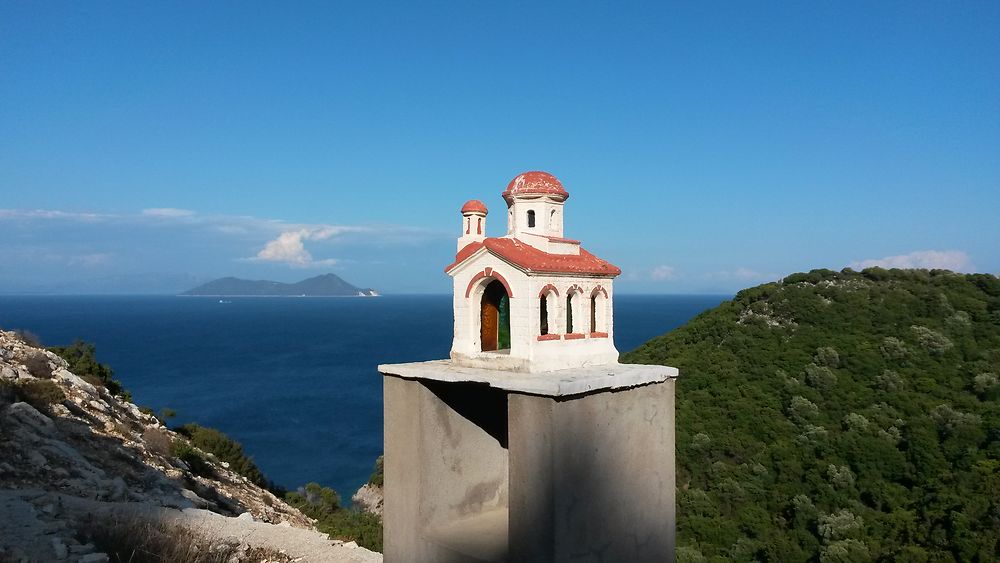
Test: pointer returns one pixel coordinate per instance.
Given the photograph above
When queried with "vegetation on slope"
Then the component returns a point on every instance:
(82, 360)
(840, 417)
(323, 505)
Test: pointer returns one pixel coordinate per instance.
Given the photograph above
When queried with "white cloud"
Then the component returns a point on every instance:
(663, 273)
(286, 241)
(52, 214)
(289, 247)
(954, 260)
(167, 212)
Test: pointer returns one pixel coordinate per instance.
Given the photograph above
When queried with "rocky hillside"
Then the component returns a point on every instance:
(75, 459)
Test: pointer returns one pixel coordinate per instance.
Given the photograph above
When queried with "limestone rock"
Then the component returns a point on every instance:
(23, 413)
(369, 498)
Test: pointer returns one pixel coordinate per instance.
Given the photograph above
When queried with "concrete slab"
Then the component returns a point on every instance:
(559, 383)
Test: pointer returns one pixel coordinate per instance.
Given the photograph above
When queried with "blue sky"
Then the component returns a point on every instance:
(706, 146)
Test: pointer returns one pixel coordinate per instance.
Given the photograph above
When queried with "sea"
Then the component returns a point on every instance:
(293, 379)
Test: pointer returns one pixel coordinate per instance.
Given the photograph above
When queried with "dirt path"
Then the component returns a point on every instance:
(34, 527)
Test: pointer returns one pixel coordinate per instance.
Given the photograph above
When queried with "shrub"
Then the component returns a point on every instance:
(41, 393)
(38, 364)
(802, 410)
(192, 457)
(323, 504)
(889, 381)
(934, 342)
(224, 448)
(840, 475)
(82, 361)
(984, 383)
(827, 356)
(820, 377)
(839, 525)
(316, 500)
(894, 349)
(157, 440)
(855, 421)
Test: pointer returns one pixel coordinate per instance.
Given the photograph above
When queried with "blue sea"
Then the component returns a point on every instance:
(293, 379)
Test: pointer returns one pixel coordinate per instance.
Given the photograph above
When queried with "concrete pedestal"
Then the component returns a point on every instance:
(570, 465)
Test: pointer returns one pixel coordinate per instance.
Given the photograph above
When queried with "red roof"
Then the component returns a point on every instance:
(535, 261)
(535, 183)
(474, 206)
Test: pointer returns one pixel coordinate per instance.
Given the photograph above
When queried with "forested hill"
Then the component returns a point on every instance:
(848, 416)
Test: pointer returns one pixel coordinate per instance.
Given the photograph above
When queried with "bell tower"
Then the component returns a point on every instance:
(473, 223)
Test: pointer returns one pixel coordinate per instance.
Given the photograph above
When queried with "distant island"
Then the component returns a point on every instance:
(326, 285)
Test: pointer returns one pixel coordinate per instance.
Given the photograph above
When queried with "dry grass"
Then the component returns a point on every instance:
(157, 440)
(132, 541)
(38, 364)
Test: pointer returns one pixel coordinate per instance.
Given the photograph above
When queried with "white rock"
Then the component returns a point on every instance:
(74, 381)
(246, 516)
(6, 372)
(351, 545)
(27, 415)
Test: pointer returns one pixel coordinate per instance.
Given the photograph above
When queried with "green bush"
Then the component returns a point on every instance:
(225, 449)
(83, 362)
(323, 504)
(183, 451)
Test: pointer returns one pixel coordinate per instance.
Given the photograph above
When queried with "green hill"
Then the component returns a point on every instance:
(840, 417)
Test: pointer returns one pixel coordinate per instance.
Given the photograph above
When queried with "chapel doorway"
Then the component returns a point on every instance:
(494, 326)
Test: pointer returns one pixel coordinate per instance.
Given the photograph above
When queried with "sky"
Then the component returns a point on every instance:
(706, 146)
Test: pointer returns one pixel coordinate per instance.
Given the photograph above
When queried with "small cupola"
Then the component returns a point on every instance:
(473, 223)
(535, 206)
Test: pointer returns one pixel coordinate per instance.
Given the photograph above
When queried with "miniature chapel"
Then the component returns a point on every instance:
(531, 443)
(532, 300)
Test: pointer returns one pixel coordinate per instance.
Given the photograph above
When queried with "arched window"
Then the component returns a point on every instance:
(543, 314)
(552, 219)
(531, 219)
(479, 226)
(569, 313)
(494, 318)
(468, 225)
(593, 313)
(599, 311)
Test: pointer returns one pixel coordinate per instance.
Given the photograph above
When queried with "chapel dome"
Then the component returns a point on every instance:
(474, 206)
(535, 183)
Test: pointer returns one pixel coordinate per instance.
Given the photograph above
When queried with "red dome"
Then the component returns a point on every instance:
(535, 183)
(474, 206)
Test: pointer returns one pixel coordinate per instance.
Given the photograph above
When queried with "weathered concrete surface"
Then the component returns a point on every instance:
(592, 478)
(488, 471)
(560, 383)
(445, 462)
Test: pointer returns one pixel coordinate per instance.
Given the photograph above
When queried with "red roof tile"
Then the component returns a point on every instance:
(474, 206)
(535, 261)
(535, 182)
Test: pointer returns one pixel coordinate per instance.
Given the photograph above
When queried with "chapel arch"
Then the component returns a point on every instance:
(494, 317)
